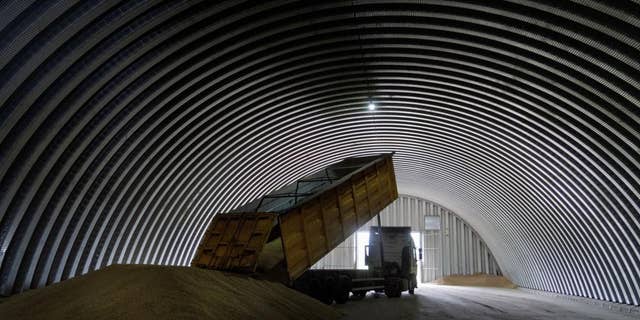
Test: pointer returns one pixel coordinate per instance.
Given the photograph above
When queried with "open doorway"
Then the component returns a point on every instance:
(362, 239)
(417, 241)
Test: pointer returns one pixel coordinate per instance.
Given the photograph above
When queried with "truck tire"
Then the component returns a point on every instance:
(393, 287)
(326, 299)
(321, 291)
(342, 297)
(359, 295)
(413, 284)
(392, 292)
(341, 289)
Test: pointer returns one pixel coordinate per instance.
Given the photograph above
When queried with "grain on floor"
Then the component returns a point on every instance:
(163, 292)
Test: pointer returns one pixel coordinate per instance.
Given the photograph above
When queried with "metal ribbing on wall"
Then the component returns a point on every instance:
(125, 125)
(454, 249)
(342, 257)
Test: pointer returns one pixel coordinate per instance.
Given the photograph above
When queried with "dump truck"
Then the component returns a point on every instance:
(279, 236)
(391, 258)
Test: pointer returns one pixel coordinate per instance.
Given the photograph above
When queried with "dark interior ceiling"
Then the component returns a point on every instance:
(125, 125)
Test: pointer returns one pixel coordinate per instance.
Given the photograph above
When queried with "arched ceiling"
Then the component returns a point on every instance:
(124, 126)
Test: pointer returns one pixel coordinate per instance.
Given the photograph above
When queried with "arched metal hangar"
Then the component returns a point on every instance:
(125, 125)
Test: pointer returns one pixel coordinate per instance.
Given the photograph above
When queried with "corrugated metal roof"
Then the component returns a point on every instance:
(125, 125)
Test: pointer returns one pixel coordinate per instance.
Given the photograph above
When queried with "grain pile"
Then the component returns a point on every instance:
(163, 292)
(476, 280)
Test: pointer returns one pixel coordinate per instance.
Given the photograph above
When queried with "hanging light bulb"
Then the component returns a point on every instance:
(372, 106)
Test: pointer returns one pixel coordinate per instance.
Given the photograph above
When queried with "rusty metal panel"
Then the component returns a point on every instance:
(234, 241)
(332, 205)
(320, 224)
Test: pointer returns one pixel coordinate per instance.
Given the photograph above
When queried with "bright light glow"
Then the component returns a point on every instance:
(372, 106)
(417, 236)
(362, 240)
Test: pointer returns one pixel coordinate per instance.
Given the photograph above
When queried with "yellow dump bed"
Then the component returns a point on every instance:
(294, 227)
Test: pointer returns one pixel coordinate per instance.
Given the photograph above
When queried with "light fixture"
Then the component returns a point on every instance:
(372, 106)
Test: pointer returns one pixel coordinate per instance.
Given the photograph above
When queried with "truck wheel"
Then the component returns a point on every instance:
(342, 298)
(393, 287)
(327, 299)
(325, 296)
(342, 289)
(329, 285)
(320, 291)
(413, 283)
(359, 295)
(393, 292)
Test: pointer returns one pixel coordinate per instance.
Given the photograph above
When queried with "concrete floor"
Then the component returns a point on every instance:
(436, 302)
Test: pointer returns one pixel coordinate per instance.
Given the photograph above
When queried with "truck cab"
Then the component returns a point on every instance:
(391, 254)
(392, 264)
